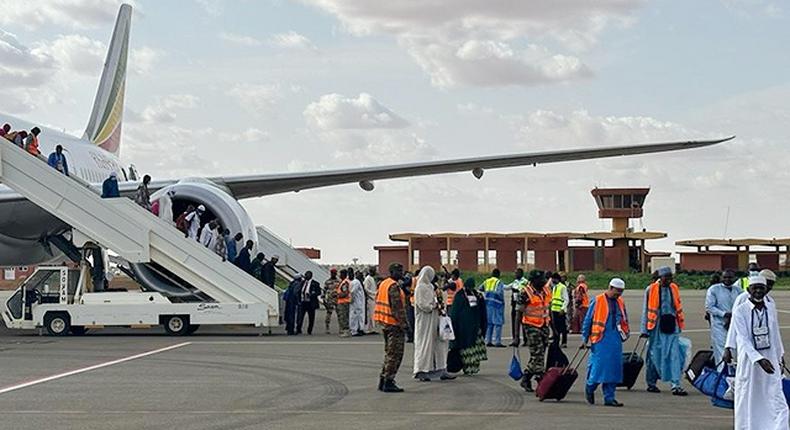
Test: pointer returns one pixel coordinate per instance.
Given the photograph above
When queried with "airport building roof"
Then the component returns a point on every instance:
(705, 243)
(595, 235)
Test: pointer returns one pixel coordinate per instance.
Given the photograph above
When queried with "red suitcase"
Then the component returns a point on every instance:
(557, 381)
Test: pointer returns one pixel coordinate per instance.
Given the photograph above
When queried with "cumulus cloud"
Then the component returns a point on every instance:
(240, 39)
(67, 13)
(335, 111)
(76, 53)
(165, 108)
(292, 40)
(495, 43)
(257, 98)
(143, 59)
(21, 66)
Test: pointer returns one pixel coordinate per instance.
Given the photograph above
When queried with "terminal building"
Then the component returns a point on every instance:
(620, 249)
(719, 254)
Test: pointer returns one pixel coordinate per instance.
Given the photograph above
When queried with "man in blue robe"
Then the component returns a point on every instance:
(662, 323)
(494, 291)
(719, 302)
(605, 327)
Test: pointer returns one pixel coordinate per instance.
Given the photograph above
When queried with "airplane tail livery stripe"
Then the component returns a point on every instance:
(104, 127)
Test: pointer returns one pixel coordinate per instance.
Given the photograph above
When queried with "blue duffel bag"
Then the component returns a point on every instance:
(713, 383)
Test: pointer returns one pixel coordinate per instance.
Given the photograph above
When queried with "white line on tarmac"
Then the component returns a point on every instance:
(282, 342)
(89, 368)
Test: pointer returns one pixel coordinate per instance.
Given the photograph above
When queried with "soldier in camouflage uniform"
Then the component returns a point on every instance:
(343, 303)
(537, 299)
(330, 296)
(390, 314)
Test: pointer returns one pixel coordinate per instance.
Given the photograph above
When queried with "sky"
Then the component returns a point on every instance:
(242, 87)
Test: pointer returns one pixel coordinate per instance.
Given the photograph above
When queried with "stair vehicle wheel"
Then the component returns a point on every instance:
(176, 325)
(78, 330)
(57, 323)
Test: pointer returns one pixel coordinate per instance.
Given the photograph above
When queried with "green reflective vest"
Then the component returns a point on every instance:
(557, 300)
(489, 286)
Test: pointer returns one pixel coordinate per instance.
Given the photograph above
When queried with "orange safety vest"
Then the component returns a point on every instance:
(653, 305)
(581, 291)
(459, 285)
(536, 311)
(343, 297)
(33, 146)
(601, 314)
(383, 313)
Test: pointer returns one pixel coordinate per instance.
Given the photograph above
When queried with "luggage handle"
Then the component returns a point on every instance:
(573, 360)
(644, 346)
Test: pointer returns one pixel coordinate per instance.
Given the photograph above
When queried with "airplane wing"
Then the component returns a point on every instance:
(260, 185)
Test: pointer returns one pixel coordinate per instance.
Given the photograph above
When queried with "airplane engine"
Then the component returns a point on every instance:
(220, 205)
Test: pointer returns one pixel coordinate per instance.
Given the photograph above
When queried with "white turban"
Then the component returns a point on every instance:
(617, 283)
(757, 280)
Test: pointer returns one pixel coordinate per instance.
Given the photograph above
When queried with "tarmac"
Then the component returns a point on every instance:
(236, 378)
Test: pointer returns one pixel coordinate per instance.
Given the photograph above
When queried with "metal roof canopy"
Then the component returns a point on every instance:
(734, 242)
(596, 235)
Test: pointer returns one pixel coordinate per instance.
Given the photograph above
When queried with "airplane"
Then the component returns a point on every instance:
(27, 231)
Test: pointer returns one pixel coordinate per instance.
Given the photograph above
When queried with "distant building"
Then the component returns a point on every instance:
(621, 249)
(720, 254)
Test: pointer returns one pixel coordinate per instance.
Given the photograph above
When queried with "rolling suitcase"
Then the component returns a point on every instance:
(557, 381)
(702, 359)
(632, 365)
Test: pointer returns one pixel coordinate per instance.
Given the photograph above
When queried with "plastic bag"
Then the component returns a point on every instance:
(515, 366)
(446, 332)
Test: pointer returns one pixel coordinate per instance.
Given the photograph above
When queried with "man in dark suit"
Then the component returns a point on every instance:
(309, 293)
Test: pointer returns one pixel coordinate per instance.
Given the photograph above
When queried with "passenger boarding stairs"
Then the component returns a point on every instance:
(130, 231)
(292, 262)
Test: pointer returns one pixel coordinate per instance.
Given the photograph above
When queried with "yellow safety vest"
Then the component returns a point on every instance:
(745, 283)
(556, 298)
(489, 286)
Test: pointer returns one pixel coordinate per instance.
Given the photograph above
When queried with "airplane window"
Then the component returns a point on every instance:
(125, 178)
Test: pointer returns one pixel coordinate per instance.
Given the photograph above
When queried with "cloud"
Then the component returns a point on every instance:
(474, 109)
(240, 39)
(257, 98)
(335, 111)
(164, 110)
(76, 53)
(768, 8)
(214, 8)
(68, 13)
(292, 40)
(143, 59)
(497, 43)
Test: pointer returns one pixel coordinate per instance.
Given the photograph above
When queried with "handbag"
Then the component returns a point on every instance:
(515, 366)
(667, 324)
(446, 332)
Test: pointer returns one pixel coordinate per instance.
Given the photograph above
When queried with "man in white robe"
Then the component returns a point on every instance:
(166, 207)
(759, 400)
(371, 289)
(193, 220)
(356, 313)
(207, 235)
(430, 351)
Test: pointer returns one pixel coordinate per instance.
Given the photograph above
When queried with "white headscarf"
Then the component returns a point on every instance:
(424, 297)
(426, 276)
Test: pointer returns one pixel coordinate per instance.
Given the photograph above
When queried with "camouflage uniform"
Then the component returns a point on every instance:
(343, 310)
(394, 335)
(330, 300)
(537, 339)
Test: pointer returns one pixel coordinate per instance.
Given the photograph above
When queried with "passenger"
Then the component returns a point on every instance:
(256, 266)
(220, 247)
(58, 161)
(19, 138)
(662, 322)
(193, 221)
(243, 259)
(166, 207)
(181, 222)
(31, 141)
(469, 324)
(143, 197)
(759, 400)
(357, 306)
(5, 130)
(207, 234)
(391, 315)
(230, 244)
(343, 302)
(770, 281)
(605, 329)
(216, 228)
(581, 302)
(268, 271)
(309, 293)
(371, 288)
(494, 291)
(291, 298)
(330, 297)
(109, 188)
(719, 302)
(430, 351)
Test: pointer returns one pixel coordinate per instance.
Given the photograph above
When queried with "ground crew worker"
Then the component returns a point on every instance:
(390, 314)
(752, 270)
(517, 306)
(330, 297)
(581, 300)
(343, 303)
(605, 328)
(494, 291)
(536, 320)
(559, 310)
(454, 285)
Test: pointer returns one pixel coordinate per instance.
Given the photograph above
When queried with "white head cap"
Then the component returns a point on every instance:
(201, 208)
(113, 174)
(768, 274)
(617, 283)
(757, 280)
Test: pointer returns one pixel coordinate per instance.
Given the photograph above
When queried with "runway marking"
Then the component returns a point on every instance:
(89, 368)
(351, 413)
(282, 342)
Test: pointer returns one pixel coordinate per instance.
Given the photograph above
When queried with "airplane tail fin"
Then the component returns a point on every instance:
(104, 127)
